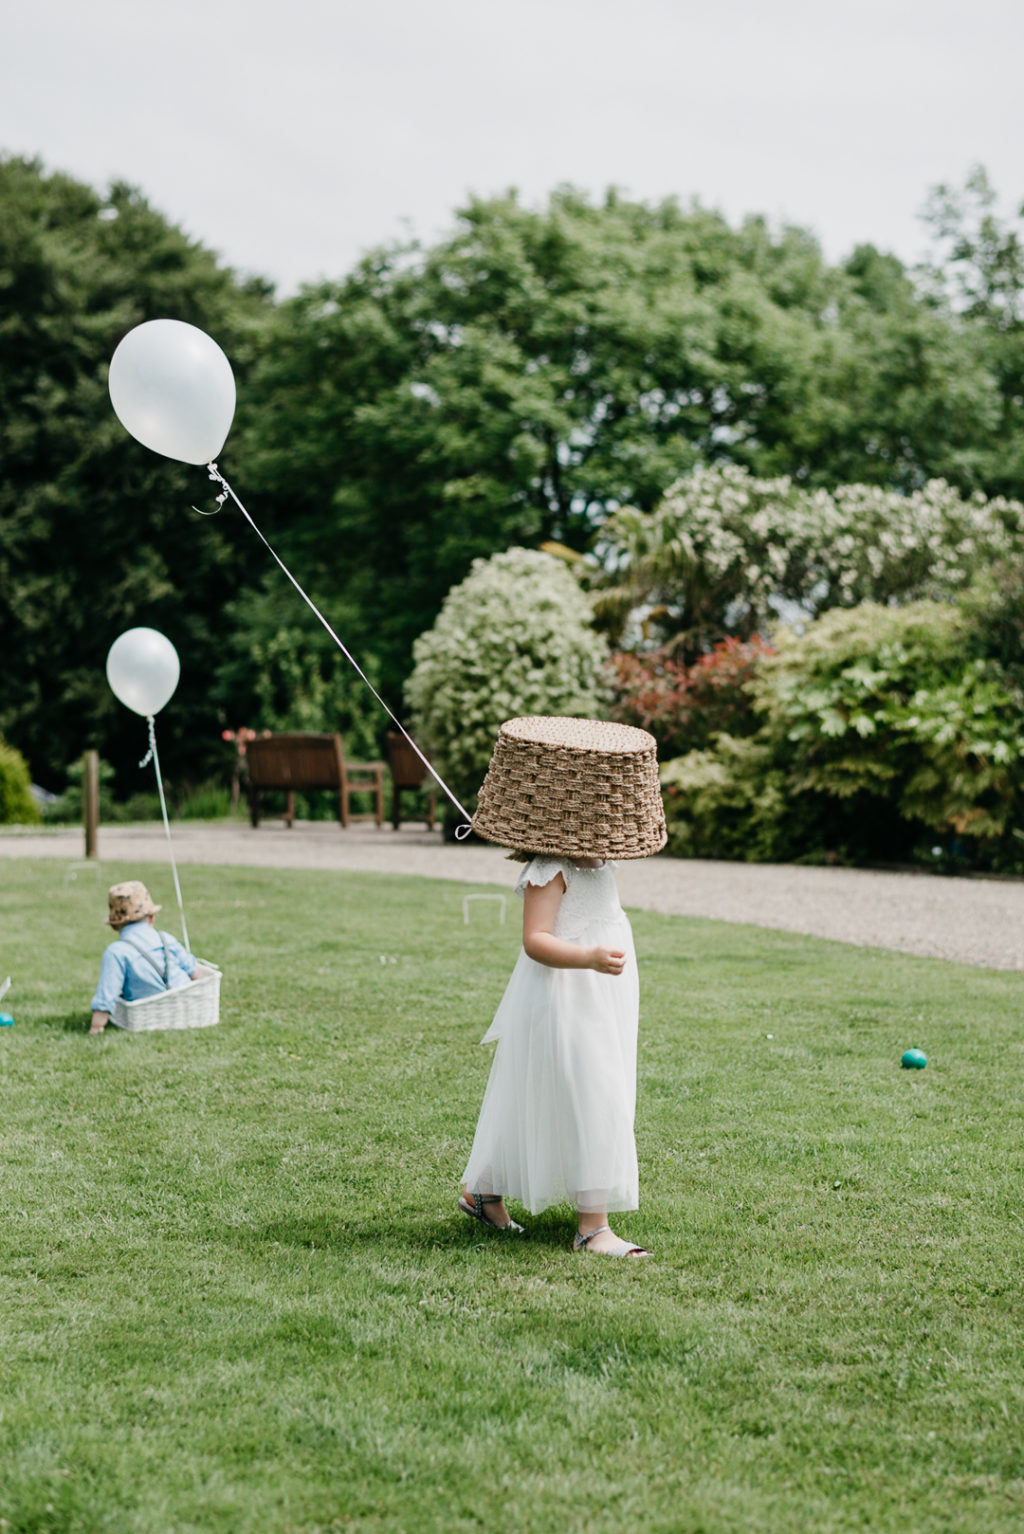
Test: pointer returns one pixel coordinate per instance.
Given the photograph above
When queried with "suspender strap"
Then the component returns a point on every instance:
(163, 974)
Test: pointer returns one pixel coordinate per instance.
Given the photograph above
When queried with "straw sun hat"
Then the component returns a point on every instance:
(130, 901)
(573, 788)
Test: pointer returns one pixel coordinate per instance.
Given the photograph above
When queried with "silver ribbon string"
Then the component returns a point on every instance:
(461, 832)
(153, 756)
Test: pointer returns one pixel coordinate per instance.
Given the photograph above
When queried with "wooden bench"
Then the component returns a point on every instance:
(298, 762)
(407, 771)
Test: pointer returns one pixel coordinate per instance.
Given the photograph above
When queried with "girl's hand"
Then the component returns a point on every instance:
(607, 961)
(540, 944)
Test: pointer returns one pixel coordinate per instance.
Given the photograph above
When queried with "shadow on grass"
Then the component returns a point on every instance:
(65, 1022)
(398, 1232)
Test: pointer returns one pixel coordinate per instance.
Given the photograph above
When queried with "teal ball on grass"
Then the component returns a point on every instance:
(6, 1020)
(914, 1060)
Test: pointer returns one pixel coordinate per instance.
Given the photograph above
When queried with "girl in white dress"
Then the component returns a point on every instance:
(556, 1124)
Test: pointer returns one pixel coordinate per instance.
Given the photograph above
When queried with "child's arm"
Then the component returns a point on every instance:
(109, 988)
(540, 907)
(188, 961)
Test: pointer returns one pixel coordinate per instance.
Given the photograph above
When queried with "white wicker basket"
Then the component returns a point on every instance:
(196, 1005)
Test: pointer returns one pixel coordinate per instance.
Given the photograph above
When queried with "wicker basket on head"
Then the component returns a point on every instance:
(573, 788)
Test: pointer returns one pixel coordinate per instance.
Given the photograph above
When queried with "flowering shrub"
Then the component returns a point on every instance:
(685, 706)
(727, 552)
(515, 637)
(875, 726)
(240, 739)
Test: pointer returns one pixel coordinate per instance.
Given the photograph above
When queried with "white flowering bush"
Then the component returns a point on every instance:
(725, 552)
(515, 637)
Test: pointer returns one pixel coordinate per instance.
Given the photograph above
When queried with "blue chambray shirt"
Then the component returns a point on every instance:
(125, 972)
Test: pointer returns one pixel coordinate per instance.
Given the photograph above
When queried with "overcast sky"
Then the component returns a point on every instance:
(290, 137)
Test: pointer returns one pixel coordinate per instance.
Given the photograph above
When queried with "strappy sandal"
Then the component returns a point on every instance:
(624, 1248)
(475, 1210)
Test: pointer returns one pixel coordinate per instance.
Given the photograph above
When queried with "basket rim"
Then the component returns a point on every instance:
(179, 991)
(590, 737)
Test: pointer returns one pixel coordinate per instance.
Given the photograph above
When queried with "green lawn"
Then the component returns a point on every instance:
(237, 1295)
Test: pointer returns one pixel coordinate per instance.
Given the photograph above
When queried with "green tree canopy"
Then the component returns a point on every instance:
(978, 270)
(538, 369)
(97, 535)
(519, 381)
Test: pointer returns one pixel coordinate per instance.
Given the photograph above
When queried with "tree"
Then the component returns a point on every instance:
(96, 534)
(538, 369)
(280, 670)
(978, 270)
(520, 381)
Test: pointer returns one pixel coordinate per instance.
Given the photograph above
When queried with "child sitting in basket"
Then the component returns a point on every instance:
(141, 961)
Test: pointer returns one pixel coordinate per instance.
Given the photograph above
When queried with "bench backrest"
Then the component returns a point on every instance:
(407, 771)
(296, 760)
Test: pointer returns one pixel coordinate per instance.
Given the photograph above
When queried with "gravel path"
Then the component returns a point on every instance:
(974, 921)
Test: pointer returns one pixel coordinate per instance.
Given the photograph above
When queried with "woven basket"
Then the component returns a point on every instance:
(196, 1005)
(573, 788)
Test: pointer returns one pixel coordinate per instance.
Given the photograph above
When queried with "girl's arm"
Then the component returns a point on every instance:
(540, 907)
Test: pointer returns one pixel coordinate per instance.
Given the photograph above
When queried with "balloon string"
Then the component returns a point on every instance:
(462, 831)
(152, 755)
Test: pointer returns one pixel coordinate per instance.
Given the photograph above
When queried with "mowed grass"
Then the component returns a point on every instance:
(237, 1296)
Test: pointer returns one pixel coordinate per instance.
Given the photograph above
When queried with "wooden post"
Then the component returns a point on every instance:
(91, 802)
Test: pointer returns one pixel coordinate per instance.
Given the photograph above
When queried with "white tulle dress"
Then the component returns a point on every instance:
(556, 1123)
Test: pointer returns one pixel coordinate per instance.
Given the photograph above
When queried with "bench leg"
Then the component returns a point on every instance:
(289, 813)
(396, 806)
(254, 807)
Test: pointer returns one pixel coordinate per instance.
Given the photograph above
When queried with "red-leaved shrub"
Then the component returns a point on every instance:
(682, 705)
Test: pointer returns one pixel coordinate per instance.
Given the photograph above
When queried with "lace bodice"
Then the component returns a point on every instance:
(590, 900)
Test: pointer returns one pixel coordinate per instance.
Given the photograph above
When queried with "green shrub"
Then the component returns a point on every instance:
(17, 806)
(878, 726)
(729, 802)
(207, 801)
(515, 637)
(141, 806)
(891, 703)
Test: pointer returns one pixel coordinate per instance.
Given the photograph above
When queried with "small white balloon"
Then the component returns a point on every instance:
(172, 387)
(143, 670)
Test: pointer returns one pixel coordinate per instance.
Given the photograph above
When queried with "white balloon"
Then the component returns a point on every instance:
(143, 670)
(173, 388)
